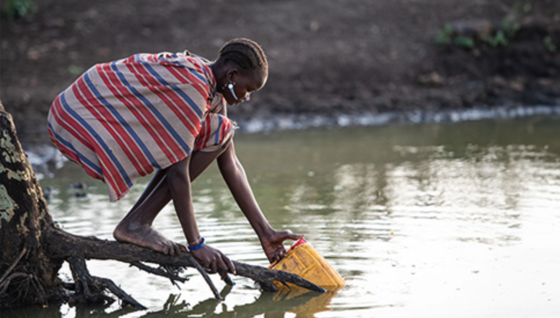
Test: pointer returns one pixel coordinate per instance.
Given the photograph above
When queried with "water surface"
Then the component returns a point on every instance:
(427, 220)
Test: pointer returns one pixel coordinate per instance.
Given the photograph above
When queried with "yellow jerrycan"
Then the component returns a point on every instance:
(303, 260)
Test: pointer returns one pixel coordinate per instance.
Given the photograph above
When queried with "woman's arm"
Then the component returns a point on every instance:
(236, 180)
(180, 187)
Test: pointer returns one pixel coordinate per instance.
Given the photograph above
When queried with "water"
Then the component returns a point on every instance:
(427, 220)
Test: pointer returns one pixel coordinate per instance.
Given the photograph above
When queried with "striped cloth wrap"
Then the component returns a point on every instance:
(122, 119)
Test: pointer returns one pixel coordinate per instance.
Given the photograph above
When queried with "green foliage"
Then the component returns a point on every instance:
(444, 36)
(499, 39)
(549, 44)
(15, 9)
(502, 36)
(464, 41)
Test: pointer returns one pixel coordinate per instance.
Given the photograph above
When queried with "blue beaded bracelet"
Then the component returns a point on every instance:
(197, 247)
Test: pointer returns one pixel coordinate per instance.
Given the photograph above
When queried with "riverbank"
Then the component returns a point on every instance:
(344, 62)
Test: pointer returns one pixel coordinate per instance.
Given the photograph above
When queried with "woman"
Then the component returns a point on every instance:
(120, 120)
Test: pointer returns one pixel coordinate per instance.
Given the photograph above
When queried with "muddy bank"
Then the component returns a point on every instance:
(330, 62)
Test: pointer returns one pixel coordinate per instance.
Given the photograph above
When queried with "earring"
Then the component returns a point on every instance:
(230, 86)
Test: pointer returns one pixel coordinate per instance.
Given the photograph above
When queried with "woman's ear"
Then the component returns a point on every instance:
(232, 74)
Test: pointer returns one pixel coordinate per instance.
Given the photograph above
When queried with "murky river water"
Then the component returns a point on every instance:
(436, 220)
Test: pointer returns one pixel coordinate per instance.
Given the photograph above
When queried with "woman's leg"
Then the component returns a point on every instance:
(136, 226)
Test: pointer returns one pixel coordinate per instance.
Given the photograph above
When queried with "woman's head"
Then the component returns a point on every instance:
(241, 68)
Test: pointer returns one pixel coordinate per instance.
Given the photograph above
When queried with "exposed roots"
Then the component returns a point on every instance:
(18, 285)
(90, 289)
(170, 272)
(11, 268)
(22, 288)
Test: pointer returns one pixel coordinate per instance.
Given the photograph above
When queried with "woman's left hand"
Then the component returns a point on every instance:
(273, 244)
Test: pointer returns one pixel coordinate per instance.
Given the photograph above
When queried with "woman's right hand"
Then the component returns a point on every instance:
(273, 244)
(214, 259)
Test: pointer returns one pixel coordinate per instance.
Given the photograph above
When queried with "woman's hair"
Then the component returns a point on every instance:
(247, 54)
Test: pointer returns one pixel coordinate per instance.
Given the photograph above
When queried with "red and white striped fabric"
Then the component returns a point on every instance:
(120, 120)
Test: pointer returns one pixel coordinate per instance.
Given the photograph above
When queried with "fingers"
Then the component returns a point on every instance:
(285, 235)
(292, 236)
(276, 255)
(223, 266)
(215, 260)
(231, 266)
(214, 266)
(226, 265)
(280, 254)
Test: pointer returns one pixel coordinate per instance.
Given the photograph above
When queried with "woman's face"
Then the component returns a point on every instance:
(244, 83)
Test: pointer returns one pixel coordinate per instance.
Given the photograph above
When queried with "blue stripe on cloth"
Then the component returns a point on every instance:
(217, 137)
(197, 74)
(83, 158)
(152, 108)
(175, 88)
(97, 138)
(121, 120)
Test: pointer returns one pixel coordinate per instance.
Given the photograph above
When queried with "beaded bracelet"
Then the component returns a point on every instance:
(197, 247)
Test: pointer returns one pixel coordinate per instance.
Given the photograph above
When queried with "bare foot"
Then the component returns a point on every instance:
(147, 236)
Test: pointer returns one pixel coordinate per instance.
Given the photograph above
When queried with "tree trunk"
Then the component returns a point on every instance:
(34, 247)
(29, 275)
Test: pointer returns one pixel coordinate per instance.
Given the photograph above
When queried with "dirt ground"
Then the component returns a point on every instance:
(325, 57)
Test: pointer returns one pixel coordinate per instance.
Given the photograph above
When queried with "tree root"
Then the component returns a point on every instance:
(90, 289)
(11, 268)
(164, 271)
(21, 284)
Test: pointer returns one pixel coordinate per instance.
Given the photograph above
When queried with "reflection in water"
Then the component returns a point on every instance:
(267, 304)
(479, 187)
(421, 220)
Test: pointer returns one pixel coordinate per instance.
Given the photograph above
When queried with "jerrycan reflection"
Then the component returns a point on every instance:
(303, 260)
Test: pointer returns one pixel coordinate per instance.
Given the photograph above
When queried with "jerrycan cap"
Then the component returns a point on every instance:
(299, 242)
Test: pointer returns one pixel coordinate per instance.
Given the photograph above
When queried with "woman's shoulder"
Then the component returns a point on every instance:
(219, 105)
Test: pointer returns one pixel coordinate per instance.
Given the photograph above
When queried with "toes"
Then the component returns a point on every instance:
(177, 249)
(165, 249)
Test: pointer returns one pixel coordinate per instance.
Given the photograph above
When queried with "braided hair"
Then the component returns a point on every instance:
(247, 54)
